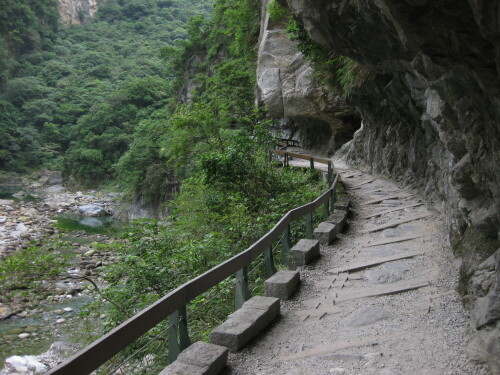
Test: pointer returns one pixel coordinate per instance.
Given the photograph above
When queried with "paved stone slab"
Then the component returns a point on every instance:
(388, 273)
(282, 284)
(200, 358)
(325, 232)
(303, 253)
(244, 324)
(365, 316)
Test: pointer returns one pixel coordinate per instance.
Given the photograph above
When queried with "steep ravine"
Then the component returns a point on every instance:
(431, 116)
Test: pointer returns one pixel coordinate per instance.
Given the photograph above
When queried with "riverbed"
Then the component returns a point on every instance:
(30, 324)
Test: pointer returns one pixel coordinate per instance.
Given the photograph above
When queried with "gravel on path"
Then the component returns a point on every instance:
(322, 331)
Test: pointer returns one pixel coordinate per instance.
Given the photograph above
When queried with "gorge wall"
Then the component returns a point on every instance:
(320, 120)
(431, 119)
(75, 12)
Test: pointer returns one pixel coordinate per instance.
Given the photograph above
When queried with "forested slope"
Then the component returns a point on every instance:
(72, 97)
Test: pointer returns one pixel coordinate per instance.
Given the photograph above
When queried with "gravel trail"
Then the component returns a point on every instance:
(333, 326)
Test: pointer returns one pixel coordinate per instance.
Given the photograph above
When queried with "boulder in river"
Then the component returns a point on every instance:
(20, 195)
(93, 210)
(5, 312)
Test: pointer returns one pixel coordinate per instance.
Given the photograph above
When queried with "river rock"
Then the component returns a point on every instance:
(31, 212)
(24, 365)
(93, 210)
(3, 219)
(5, 312)
(20, 195)
(23, 335)
(89, 253)
(6, 202)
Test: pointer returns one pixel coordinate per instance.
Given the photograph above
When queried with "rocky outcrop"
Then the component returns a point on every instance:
(431, 113)
(76, 12)
(286, 88)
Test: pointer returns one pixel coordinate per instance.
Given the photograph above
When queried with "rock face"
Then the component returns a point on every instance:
(75, 12)
(285, 87)
(431, 112)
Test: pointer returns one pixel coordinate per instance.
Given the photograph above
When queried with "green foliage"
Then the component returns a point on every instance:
(220, 210)
(25, 26)
(27, 268)
(75, 83)
(339, 73)
(218, 60)
(277, 12)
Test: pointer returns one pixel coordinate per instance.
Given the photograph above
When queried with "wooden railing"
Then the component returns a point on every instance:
(285, 142)
(173, 305)
(287, 155)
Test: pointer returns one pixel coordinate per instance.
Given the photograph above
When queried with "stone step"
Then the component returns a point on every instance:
(326, 232)
(201, 358)
(303, 252)
(339, 218)
(343, 203)
(246, 323)
(282, 284)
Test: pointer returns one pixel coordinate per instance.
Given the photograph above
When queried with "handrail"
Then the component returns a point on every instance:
(301, 156)
(104, 348)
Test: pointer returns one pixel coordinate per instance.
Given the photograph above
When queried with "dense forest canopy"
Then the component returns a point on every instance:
(72, 97)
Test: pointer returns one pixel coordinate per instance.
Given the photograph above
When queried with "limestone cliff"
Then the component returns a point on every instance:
(75, 12)
(432, 113)
(320, 120)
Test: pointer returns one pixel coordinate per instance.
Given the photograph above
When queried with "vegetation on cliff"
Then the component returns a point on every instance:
(338, 73)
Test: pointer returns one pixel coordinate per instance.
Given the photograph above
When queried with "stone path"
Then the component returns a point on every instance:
(403, 316)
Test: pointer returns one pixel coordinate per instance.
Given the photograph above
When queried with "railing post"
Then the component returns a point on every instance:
(309, 225)
(173, 345)
(329, 175)
(184, 339)
(285, 160)
(333, 199)
(242, 292)
(311, 162)
(178, 325)
(326, 209)
(269, 261)
(287, 244)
